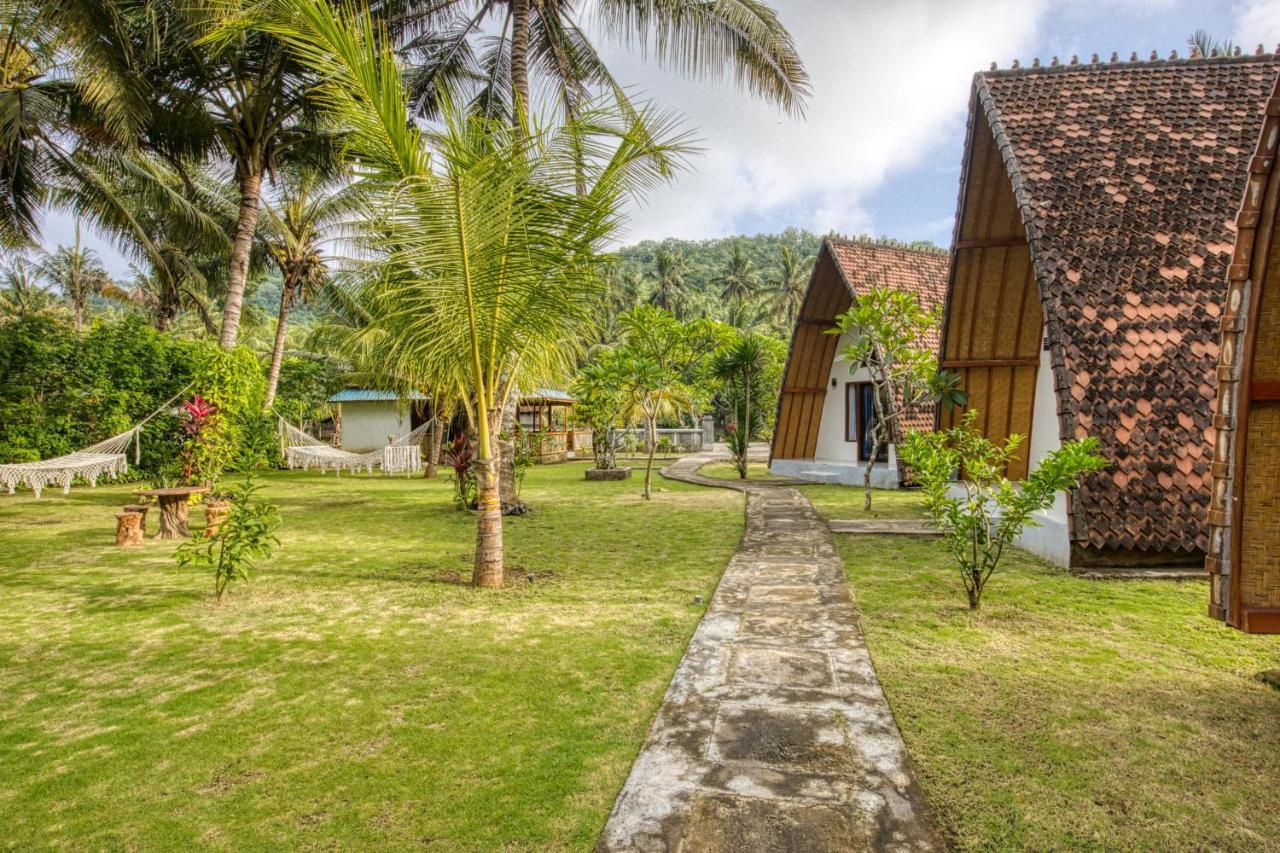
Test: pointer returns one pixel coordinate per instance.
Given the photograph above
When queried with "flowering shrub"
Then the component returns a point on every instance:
(204, 449)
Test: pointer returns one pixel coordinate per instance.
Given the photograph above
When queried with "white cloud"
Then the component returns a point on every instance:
(888, 80)
(1257, 21)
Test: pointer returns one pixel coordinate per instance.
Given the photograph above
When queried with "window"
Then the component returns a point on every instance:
(859, 417)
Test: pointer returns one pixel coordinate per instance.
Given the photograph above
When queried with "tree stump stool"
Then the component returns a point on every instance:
(128, 529)
(141, 509)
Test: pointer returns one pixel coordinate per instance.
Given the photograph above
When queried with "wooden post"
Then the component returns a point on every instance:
(128, 529)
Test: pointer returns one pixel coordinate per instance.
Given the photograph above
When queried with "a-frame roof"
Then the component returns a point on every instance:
(1127, 177)
(843, 269)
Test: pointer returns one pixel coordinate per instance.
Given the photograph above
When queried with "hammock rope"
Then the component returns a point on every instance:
(109, 457)
(402, 456)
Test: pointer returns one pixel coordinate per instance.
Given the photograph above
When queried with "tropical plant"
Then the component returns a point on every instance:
(990, 512)
(659, 362)
(460, 456)
(739, 285)
(297, 226)
(488, 239)
(78, 273)
(667, 274)
(247, 534)
(490, 50)
(203, 445)
(1203, 43)
(171, 221)
(887, 330)
(738, 366)
(21, 292)
(602, 404)
(792, 283)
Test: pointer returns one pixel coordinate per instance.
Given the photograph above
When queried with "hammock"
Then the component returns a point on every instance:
(107, 457)
(404, 455)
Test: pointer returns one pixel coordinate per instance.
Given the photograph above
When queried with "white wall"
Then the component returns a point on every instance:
(1052, 539)
(832, 446)
(366, 425)
(835, 459)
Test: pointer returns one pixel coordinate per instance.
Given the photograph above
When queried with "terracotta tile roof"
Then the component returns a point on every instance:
(865, 265)
(1128, 177)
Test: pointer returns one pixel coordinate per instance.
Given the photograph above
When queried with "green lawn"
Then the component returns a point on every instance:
(1070, 714)
(846, 502)
(353, 695)
(729, 471)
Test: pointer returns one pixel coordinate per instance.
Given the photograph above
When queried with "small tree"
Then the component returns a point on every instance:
(247, 534)
(887, 329)
(659, 360)
(602, 403)
(739, 365)
(992, 511)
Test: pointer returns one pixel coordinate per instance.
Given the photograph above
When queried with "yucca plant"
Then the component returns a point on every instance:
(488, 238)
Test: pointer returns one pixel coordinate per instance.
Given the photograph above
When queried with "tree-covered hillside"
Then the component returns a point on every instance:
(753, 282)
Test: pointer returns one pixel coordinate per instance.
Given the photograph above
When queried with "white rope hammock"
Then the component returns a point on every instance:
(109, 457)
(402, 456)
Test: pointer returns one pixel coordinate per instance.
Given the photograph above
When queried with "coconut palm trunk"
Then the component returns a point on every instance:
(488, 569)
(520, 53)
(277, 348)
(242, 245)
(433, 454)
(746, 425)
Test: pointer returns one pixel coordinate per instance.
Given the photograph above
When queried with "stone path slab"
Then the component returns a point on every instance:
(774, 734)
(887, 526)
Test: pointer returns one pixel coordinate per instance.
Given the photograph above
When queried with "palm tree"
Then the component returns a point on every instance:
(791, 287)
(1203, 43)
(78, 273)
(174, 227)
(21, 293)
(296, 227)
(488, 240)
(492, 49)
(740, 282)
(738, 366)
(669, 287)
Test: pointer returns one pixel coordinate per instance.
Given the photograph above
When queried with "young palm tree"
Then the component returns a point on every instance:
(489, 240)
(739, 282)
(791, 287)
(493, 48)
(739, 366)
(21, 293)
(78, 273)
(297, 226)
(670, 290)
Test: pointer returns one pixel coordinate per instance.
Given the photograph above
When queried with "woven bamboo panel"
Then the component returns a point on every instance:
(1260, 526)
(1266, 353)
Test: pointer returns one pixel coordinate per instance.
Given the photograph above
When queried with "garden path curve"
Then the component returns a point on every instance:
(774, 733)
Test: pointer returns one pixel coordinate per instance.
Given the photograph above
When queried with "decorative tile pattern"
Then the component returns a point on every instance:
(1128, 177)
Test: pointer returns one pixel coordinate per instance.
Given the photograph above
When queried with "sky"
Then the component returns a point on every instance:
(878, 150)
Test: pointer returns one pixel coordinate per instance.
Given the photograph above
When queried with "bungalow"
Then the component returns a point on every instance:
(366, 420)
(826, 408)
(1244, 540)
(1095, 225)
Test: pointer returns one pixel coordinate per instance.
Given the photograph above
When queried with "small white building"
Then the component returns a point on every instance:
(368, 420)
(825, 410)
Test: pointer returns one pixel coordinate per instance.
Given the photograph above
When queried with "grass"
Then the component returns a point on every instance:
(1069, 714)
(353, 695)
(845, 502)
(729, 471)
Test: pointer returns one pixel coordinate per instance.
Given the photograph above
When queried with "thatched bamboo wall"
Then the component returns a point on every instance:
(993, 325)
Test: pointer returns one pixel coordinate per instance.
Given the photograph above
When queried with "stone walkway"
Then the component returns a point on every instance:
(774, 734)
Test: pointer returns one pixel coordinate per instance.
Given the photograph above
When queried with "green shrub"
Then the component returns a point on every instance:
(247, 534)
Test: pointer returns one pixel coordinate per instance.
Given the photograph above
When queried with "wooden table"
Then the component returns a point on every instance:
(173, 509)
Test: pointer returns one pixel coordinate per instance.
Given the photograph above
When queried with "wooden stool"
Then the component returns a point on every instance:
(142, 510)
(128, 529)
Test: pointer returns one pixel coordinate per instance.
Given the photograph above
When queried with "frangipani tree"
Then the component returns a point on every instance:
(489, 239)
(887, 328)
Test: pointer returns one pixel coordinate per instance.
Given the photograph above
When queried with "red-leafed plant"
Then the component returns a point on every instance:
(460, 456)
(203, 450)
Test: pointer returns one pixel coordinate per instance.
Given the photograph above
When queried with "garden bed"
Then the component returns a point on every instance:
(1068, 713)
(350, 695)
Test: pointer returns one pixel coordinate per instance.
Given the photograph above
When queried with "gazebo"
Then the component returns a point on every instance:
(546, 415)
